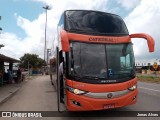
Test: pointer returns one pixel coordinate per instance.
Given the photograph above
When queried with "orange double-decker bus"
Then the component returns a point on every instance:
(98, 61)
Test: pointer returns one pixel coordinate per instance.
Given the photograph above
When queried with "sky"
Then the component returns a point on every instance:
(23, 23)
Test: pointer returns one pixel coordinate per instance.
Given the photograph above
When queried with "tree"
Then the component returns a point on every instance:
(1, 45)
(32, 59)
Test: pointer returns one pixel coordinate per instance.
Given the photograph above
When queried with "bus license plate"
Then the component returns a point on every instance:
(109, 106)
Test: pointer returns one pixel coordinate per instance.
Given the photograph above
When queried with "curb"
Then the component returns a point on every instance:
(8, 96)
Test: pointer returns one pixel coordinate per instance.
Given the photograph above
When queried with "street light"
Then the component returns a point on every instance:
(46, 8)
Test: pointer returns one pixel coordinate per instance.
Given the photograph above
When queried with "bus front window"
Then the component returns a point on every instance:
(101, 61)
(93, 59)
(120, 60)
(88, 59)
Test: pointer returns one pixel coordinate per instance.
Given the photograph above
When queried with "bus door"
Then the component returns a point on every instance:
(60, 83)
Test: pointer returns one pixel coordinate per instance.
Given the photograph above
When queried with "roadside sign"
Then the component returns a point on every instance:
(155, 66)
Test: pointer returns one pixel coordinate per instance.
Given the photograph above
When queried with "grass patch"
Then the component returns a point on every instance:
(150, 79)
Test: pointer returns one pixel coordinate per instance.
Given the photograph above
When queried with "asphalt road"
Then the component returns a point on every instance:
(39, 95)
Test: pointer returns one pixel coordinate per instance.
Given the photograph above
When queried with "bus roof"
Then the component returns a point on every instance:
(94, 23)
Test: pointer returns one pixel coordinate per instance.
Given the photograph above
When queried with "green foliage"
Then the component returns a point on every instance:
(32, 59)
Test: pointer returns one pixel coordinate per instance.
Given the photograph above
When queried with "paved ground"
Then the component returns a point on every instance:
(36, 95)
(39, 95)
(7, 91)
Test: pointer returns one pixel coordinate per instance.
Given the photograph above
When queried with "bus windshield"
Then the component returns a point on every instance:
(101, 61)
(91, 22)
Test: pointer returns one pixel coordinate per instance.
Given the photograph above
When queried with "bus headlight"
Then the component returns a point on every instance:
(76, 91)
(132, 88)
(79, 92)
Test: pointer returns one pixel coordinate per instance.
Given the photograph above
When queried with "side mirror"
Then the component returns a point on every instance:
(149, 39)
(64, 41)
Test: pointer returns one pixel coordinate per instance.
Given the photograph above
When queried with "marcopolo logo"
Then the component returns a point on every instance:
(109, 95)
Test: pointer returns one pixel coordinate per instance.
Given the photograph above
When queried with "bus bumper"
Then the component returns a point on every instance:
(83, 103)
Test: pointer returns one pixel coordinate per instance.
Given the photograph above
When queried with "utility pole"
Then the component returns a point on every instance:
(28, 69)
(46, 8)
(1, 45)
(0, 27)
(48, 50)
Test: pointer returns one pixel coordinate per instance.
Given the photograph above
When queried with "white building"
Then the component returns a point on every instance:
(146, 63)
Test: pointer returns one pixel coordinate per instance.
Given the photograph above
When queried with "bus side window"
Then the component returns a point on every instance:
(64, 62)
(61, 59)
(60, 56)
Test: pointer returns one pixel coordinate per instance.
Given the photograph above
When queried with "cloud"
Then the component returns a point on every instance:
(61, 5)
(34, 42)
(14, 47)
(145, 19)
(35, 36)
(128, 4)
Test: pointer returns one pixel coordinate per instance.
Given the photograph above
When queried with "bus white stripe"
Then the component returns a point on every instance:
(149, 89)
